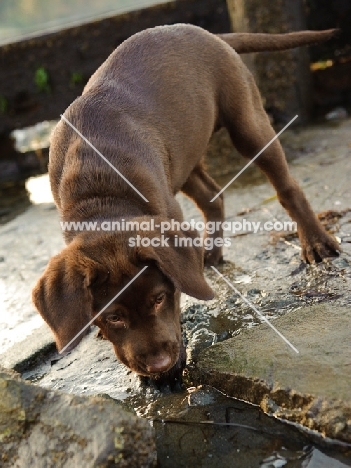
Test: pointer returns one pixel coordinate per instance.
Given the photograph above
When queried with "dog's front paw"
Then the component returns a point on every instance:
(213, 257)
(318, 246)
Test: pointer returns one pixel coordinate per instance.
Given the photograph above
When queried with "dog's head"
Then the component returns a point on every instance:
(143, 322)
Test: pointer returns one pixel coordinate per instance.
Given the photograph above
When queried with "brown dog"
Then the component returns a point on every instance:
(151, 109)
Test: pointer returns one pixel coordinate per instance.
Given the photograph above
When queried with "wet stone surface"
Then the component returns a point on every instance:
(26, 244)
(45, 429)
(310, 386)
(263, 266)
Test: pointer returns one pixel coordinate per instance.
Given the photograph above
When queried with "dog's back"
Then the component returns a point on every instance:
(151, 109)
(151, 103)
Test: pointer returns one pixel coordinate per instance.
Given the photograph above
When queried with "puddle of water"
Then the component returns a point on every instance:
(202, 427)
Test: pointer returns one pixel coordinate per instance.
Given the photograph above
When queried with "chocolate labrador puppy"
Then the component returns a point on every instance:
(150, 110)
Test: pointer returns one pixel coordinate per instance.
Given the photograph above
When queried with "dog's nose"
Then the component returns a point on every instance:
(159, 363)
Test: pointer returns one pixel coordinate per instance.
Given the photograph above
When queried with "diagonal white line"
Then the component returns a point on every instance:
(252, 160)
(103, 157)
(104, 308)
(256, 310)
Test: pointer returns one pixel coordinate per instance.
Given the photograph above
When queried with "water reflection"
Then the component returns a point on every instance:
(203, 427)
(26, 17)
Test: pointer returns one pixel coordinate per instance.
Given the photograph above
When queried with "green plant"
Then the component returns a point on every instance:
(76, 78)
(41, 79)
(3, 104)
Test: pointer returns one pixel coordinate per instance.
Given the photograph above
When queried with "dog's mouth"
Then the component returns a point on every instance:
(160, 366)
(155, 368)
(167, 364)
(173, 373)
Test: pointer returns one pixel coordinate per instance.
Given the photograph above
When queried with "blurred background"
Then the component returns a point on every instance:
(20, 18)
(48, 50)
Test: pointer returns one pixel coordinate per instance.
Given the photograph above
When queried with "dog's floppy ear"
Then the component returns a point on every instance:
(63, 297)
(182, 265)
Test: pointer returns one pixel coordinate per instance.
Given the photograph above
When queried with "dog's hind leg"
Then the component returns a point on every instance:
(201, 188)
(242, 113)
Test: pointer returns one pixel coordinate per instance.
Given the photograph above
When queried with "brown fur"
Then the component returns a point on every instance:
(151, 109)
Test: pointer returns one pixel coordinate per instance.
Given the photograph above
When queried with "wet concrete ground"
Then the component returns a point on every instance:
(264, 267)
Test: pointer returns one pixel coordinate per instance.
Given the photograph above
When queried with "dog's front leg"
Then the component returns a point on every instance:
(201, 188)
(316, 243)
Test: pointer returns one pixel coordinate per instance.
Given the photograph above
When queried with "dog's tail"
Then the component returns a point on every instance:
(244, 43)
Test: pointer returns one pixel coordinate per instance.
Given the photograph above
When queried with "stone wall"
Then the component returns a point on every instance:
(283, 77)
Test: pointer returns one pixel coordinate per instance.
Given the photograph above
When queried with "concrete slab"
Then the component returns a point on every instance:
(312, 388)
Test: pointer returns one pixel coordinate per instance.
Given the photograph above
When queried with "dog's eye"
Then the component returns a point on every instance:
(116, 321)
(160, 298)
